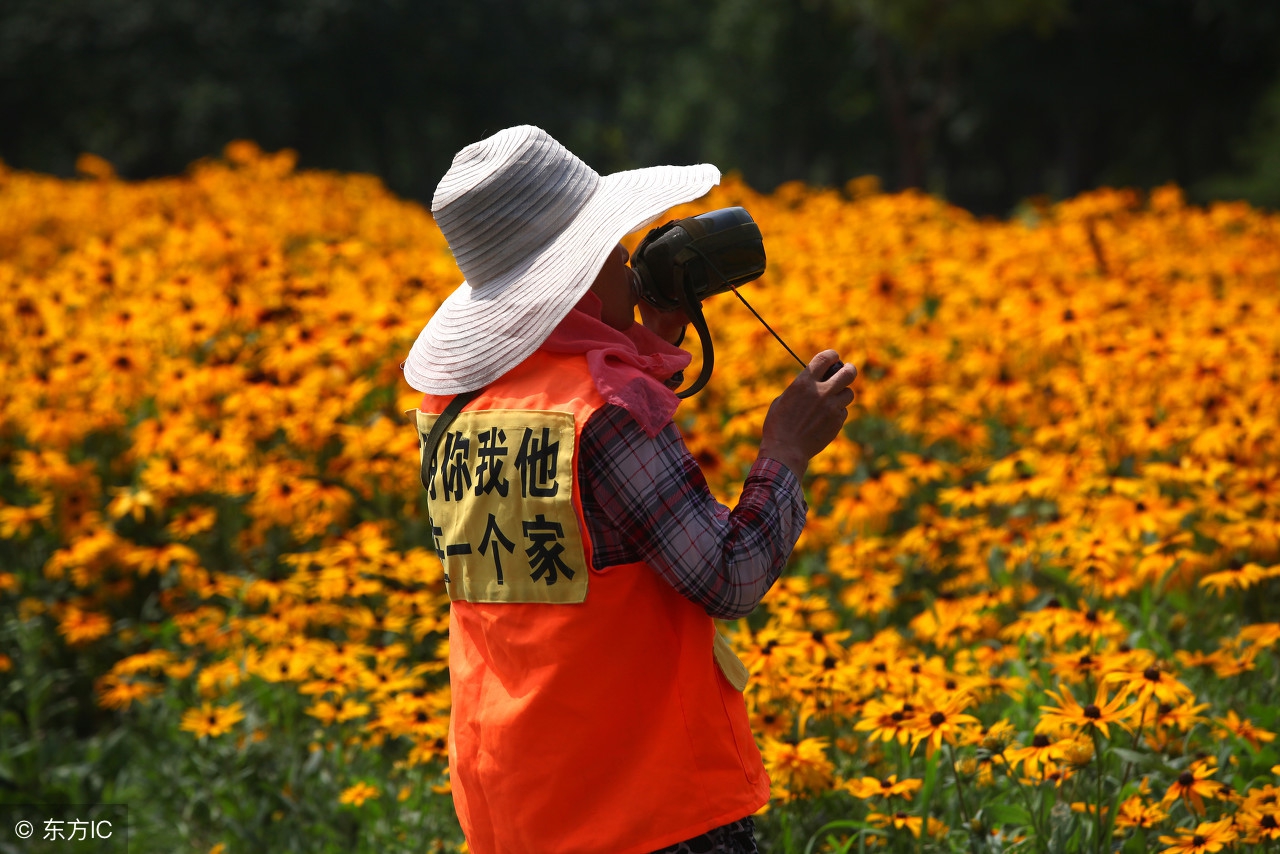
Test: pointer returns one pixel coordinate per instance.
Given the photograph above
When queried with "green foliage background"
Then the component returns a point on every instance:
(985, 102)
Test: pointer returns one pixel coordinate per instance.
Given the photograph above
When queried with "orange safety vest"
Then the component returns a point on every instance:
(590, 713)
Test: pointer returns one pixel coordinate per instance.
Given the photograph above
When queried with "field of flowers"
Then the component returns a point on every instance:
(1034, 608)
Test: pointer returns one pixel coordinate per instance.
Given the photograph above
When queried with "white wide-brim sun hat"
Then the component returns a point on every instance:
(530, 226)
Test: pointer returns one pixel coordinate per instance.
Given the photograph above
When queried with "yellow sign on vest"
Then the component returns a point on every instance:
(502, 512)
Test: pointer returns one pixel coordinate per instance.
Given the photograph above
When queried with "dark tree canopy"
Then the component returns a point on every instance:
(985, 102)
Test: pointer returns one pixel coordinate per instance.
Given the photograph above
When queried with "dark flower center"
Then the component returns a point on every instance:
(1186, 778)
(937, 718)
(1197, 841)
(1040, 741)
(897, 716)
(1092, 712)
(1151, 674)
(1269, 822)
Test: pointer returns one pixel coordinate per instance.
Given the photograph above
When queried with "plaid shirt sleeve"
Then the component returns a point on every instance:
(646, 500)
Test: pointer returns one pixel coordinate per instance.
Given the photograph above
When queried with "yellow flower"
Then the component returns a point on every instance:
(1040, 754)
(939, 720)
(871, 787)
(897, 821)
(1096, 715)
(887, 721)
(1078, 752)
(210, 720)
(131, 502)
(81, 627)
(1136, 813)
(117, 693)
(798, 769)
(1193, 784)
(1150, 682)
(1208, 836)
(1242, 728)
(359, 793)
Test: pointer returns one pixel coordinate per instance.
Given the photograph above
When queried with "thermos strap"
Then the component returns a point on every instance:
(693, 308)
(432, 441)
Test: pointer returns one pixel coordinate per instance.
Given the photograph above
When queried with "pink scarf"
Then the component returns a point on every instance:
(629, 368)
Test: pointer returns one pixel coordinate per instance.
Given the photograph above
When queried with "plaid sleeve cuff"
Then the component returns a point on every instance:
(788, 485)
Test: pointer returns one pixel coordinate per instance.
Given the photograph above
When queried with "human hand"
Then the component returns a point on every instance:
(667, 325)
(809, 413)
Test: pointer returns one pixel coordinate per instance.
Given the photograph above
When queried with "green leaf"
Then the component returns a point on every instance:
(1134, 757)
(994, 814)
(842, 824)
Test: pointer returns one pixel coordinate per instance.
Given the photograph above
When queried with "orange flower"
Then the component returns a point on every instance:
(81, 627)
(889, 787)
(211, 721)
(939, 720)
(887, 721)
(1208, 836)
(797, 769)
(1193, 785)
(1242, 728)
(1136, 814)
(359, 793)
(1098, 715)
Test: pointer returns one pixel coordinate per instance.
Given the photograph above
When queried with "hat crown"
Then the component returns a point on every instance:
(506, 197)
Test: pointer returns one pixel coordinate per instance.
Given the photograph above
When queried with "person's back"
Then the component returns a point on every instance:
(584, 556)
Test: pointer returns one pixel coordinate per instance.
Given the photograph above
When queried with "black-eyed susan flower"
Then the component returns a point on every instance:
(798, 769)
(1193, 785)
(897, 821)
(887, 721)
(888, 787)
(1097, 715)
(357, 794)
(1150, 682)
(1038, 756)
(1208, 836)
(1136, 813)
(210, 720)
(1240, 727)
(941, 718)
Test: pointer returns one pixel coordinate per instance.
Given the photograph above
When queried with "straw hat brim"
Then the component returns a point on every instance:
(479, 333)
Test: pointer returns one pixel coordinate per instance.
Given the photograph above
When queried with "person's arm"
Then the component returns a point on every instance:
(802, 420)
(646, 499)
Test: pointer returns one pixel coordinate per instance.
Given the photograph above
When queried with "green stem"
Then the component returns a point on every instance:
(964, 810)
(1124, 780)
(1097, 807)
(1031, 810)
